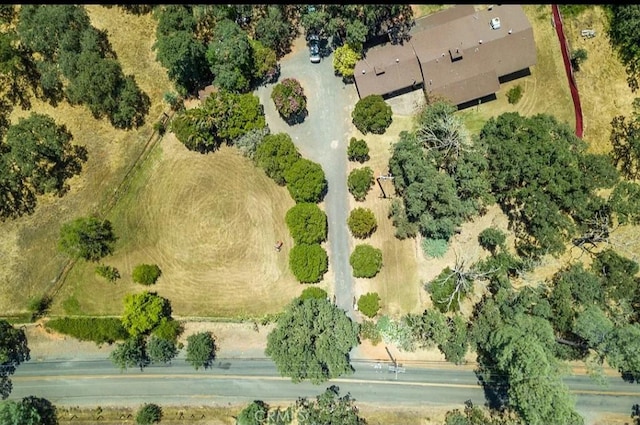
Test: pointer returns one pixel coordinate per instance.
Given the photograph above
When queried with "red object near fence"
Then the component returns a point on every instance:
(557, 21)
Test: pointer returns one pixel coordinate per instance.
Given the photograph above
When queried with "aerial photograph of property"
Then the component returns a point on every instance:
(319, 214)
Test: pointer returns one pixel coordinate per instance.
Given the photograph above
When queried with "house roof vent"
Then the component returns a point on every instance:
(455, 54)
(378, 70)
(495, 23)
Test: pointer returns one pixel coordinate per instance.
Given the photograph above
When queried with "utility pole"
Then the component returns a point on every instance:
(385, 177)
(396, 367)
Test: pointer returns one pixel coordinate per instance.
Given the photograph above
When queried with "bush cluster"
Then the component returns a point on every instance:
(97, 329)
(289, 98)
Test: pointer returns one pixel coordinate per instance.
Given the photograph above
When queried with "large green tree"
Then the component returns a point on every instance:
(13, 351)
(222, 118)
(274, 30)
(179, 50)
(254, 414)
(625, 143)
(516, 364)
(275, 155)
(14, 412)
(71, 53)
(87, 237)
(144, 311)
(430, 196)
(544, 179)
(372, 115)
(230, 57)
(623, 31)
(312, 341)
(148, 414)
(329, 408)
(36, 157)
(130, 353)
(308, 262)
(201, 350)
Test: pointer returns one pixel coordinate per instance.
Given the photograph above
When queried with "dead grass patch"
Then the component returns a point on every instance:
(601, 80)
(210, 223)
(28, 245)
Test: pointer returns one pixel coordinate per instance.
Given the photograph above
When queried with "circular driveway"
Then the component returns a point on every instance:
(322, 138)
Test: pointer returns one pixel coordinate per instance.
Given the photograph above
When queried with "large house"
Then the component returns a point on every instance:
(460, 53)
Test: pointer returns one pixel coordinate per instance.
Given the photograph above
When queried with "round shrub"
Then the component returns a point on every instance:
(372, 115)
(308, 263)
(358, 150)
(307, 223)
(306, 181)
(313, 292)
(149, 414)
(365, 260)
(491, 238)
(369, 304)
(146, 274)
(359, 182)
(290, 101)
(362, 222)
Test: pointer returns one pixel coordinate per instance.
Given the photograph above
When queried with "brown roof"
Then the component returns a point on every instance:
(461, 57)
(385, 70)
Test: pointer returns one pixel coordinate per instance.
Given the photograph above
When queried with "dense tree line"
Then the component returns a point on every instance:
(76, 62)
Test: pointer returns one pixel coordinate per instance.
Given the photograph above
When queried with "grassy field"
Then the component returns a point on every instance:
(396, 283)
(210, 223)
(30, 260)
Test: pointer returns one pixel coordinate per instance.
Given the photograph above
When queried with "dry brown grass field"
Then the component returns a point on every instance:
(210, 223)
(30, 260)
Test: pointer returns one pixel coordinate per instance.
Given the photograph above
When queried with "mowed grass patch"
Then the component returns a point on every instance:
(601, 80)
(397, 282)
(31, 262)
(210, 222)
(546, 90)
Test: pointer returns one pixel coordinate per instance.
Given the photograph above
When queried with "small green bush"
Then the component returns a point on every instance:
(314, 292)
(307, 223)
(369, 304)
(514, 94)
(149, 414)
(97, 329)
(362, 222)
(372, 115)
(308, 263)
(359, 182)
(434, 248)
(492, 238)
(38, 306)
(358, 150)
(369, 331)
(168, 329)
(108, 272)
(146, 274)
(71, 306)
(366, 261)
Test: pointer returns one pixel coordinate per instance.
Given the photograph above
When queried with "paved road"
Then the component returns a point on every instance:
(97, 382)
(322, 138)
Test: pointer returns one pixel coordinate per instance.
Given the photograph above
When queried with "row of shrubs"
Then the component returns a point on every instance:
(96, 329)
(144, 274)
